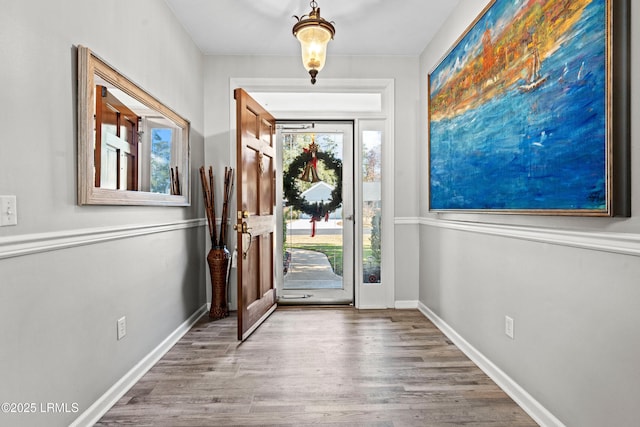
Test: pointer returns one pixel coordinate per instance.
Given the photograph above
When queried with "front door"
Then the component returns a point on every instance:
(255, 220)
(317, 238)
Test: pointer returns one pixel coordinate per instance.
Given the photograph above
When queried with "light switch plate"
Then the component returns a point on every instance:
(8, 211)
(122, 327)
(508, 326)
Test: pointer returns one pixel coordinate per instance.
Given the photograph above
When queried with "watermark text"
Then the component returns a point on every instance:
(39, 408)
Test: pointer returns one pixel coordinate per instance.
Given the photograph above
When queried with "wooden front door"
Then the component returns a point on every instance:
(256, 195)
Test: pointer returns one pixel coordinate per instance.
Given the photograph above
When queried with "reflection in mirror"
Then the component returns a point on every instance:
(132, 149)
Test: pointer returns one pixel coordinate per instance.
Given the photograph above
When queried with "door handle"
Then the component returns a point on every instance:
(245, 253)
(244, 229)
(349, 218)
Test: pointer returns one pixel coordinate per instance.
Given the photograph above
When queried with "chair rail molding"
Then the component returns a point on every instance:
(618, 243)
(29, 244)
(401, 220)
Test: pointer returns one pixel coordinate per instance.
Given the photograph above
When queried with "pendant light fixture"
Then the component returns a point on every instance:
(314, 34)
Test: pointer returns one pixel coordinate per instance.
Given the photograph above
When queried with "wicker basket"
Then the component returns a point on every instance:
(218, 260)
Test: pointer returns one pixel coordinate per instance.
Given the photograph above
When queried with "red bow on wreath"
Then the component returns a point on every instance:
(319, 214)
(310, 174)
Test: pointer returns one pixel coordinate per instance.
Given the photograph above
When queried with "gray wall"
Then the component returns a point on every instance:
(571, 284)
(220, 69)
(58, 307)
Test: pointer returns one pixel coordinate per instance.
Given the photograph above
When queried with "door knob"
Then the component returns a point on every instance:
(242, 227)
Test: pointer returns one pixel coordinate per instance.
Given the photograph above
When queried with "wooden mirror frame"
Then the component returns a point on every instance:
(89, 66)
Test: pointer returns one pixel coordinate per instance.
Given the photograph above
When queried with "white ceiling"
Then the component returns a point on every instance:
(263, 27)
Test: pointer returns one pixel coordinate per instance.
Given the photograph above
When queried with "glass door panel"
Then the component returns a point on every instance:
(317, 220)
(371, 206)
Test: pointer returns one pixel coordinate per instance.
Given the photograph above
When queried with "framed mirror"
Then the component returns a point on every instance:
(132, 149)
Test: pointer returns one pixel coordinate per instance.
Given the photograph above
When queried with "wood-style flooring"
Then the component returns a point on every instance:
(317, 366)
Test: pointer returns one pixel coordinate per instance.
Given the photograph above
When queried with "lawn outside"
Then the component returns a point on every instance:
(330, 245)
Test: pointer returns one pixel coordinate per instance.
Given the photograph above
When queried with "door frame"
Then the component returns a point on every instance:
(366, 296)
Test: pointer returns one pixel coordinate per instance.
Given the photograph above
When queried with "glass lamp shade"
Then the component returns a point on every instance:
(313, 41)
(314, 34)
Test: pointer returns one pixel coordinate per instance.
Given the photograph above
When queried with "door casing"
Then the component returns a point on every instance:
(366, 296)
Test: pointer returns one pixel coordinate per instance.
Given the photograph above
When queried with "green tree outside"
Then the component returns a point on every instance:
(160, 160)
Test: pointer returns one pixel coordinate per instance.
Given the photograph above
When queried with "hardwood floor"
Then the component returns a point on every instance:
(317, 366)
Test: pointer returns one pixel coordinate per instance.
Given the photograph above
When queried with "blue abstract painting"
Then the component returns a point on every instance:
(518, 111)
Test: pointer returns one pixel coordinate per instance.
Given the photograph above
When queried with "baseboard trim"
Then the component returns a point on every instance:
(531, 406)
(100, 407)
(406, 305)
(29, 244)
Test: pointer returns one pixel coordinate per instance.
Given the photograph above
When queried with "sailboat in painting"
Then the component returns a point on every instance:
(506, 56)
(535, 78)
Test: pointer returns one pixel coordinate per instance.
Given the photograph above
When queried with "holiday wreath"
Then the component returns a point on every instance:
(304, 167)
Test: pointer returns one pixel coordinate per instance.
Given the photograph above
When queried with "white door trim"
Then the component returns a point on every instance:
(366, 296)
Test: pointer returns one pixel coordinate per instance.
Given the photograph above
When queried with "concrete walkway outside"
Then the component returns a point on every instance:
(310, 270)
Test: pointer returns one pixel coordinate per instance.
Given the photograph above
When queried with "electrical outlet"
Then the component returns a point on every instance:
(508, 326)
(8, 211)
(122, 327)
